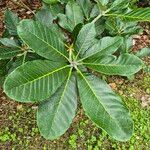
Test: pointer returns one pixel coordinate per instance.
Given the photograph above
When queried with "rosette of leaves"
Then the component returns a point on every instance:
(66, 74)
(54, 71)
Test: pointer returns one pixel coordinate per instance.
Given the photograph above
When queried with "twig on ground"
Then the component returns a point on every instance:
(22, 4)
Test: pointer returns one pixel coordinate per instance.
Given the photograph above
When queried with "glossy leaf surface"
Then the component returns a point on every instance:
(124, 65)
(36, 80)
(55, 115)
(42, 40)
(104, 107)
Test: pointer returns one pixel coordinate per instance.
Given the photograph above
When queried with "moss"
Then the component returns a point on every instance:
(72, 141)
(94, 140)
(146, 84)
(22, 132)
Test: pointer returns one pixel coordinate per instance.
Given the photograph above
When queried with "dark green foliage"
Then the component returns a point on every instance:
(52, 60)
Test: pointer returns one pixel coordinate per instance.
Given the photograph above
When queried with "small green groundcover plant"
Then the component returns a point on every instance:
(62, 55)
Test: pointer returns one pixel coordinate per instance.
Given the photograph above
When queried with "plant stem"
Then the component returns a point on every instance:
(98, 17)
(24, 58)
(30, 51)
(70, 55)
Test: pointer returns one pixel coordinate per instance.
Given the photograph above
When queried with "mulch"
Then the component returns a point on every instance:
(23, 10)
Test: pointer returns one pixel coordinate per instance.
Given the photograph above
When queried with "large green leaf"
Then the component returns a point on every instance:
(35, 81)
(85, 39)
(105, 46)
(95, 11)
(9, 42)
(42, 40)
(124, 65)
(143, 52)
(73, 16)
(86, 7)
(11, 22)
(55, 115)
(104, 107)
(44, 16)
(6, 53)
(74, 13)
(63, 22)
(140, 14)
(117, 27)
(127, 45)
(119, 4)
(56, 9)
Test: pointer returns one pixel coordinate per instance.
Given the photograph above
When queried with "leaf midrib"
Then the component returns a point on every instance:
(83, 43)
(109, 65)
(31, 81)
(95, 94)
(10, 52)
(61, 97)
(47, 44)
(127, 16)
(99, 51)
